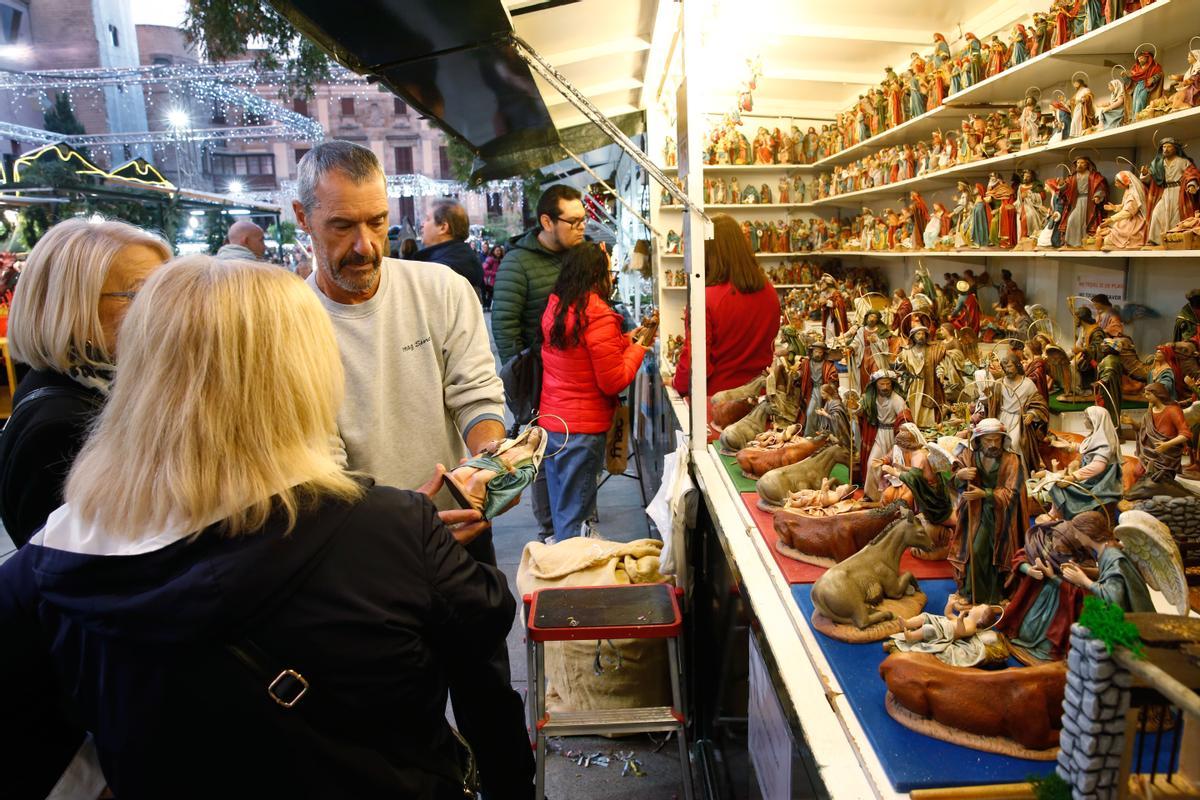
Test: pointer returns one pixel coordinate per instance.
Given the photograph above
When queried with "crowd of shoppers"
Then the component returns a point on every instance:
(187, 515)
(527, 274)
(221, 500)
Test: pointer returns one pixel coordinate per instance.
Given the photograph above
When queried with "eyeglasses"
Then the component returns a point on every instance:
(572, 223)
(124, 295)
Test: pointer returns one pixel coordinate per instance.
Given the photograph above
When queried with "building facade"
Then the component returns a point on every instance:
(65, 34)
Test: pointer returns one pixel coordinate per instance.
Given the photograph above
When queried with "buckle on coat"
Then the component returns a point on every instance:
(288, 687)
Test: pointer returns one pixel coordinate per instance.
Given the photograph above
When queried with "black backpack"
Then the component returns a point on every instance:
(522, 378)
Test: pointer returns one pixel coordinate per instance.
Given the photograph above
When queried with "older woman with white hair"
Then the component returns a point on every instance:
(219, 602)
(66, 315)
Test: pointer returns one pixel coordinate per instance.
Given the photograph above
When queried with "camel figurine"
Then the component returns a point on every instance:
(848, 592)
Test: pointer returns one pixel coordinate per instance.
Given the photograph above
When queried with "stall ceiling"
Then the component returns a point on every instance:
(600, 46)
(818, 56)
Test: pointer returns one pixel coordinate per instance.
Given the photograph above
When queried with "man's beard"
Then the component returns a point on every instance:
(993, 452)
(353, 283)
(885, 393)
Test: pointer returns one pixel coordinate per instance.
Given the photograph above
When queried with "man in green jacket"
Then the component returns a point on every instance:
(523, 284)
(530, 269)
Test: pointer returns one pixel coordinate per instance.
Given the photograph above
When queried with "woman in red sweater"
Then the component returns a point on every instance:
(586, 363)
(741, 310)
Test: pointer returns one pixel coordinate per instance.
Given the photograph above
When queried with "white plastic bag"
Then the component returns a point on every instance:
(673, 509)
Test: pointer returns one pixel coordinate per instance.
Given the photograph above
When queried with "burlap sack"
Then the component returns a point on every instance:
(642, 678)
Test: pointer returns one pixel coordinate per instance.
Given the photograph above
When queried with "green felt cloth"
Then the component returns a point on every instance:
(1059, 407)
(744, 484)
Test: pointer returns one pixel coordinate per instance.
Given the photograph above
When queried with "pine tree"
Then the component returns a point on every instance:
(60, 117)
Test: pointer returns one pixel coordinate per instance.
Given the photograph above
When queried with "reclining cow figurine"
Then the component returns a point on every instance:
(849, 591)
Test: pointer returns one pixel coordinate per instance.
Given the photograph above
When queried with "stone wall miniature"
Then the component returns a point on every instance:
(1094, 708)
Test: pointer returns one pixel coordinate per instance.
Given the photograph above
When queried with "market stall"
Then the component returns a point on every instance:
(982, 315)
(843, 213)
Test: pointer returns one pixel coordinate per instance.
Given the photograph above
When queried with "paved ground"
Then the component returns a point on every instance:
(621, 519)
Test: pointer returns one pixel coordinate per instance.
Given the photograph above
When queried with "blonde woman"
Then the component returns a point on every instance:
(211, 542)
(66, 313)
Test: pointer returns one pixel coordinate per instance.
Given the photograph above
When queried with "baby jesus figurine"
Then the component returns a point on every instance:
(960, 637)
(492, 481)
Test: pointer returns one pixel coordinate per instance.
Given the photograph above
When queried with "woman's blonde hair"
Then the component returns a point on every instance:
(223, 408)
(56, 307)
(728, 258)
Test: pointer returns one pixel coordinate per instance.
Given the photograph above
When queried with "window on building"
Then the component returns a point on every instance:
(399, 106)
(301, 152)
(116, 38)
(408, 210)
(253, 118)
(495, 204)
(11, 19)
(300, 106)
(243, 164)
(163, 61)
(404, 160)
(443, 162)
(347, 106)
(218, 113)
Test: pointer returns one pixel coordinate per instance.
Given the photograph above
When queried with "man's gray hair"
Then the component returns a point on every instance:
(357, 162)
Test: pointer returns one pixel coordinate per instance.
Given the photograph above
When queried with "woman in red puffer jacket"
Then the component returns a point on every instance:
(586, 363)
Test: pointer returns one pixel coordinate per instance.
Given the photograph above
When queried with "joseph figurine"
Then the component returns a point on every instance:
(993, 512)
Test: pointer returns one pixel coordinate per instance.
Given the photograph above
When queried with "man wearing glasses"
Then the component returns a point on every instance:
(523, 283)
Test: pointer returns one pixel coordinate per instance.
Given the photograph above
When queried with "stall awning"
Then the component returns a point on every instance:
(455, 63)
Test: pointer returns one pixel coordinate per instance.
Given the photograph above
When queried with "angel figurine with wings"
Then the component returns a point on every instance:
(1146, 556)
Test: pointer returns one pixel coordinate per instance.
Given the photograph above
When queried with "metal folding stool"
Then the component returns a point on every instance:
(638, 611)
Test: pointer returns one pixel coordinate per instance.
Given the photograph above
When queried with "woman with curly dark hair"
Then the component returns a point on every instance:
(586, 363)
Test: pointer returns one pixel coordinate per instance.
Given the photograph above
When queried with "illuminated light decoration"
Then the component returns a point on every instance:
(237, 187)
(141, 171)
(64, 152)
(178, 119)
(3, 174)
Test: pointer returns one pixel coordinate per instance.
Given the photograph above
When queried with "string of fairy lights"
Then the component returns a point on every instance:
(192, 109)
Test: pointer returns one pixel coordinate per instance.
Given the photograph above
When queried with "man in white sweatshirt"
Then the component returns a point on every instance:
(421, 389)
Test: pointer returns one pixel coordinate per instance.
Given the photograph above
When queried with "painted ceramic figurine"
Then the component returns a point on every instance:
(1125, 228)
(1146, 80)
(993, 511)
(492, 480)
(849, 592)
(1161, 443)
(1086, 191)
(1083, 106)
(1173, 191)
(961, 639)
(1186, 89)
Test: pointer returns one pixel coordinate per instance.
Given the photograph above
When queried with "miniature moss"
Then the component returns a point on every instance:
(1107, 623)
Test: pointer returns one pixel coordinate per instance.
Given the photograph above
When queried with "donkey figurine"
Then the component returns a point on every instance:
(848, 591)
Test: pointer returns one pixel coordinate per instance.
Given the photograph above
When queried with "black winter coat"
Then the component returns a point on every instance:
(459, 257)
(38, 446)
(374, 603)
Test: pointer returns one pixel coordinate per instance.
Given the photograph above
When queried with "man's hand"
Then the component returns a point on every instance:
(485, 435)
(966, 474)
(464, 523)
(974, 493)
